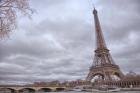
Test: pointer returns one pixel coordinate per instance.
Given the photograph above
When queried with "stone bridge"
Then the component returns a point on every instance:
(20, 89)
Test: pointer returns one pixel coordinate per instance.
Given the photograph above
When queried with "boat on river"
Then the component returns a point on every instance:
(77, 89)
(102, 90)
(130, 89)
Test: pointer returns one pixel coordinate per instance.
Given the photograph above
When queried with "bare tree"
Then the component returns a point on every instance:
(8, 14)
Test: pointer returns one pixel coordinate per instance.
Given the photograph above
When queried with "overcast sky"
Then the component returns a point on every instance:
(59, 42)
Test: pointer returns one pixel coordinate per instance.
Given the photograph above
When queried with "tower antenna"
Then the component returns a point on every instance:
(92, 5)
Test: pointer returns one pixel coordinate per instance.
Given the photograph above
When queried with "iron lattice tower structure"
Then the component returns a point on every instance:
(103, 65)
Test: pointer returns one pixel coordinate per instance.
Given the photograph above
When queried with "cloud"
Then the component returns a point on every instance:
(59, 42)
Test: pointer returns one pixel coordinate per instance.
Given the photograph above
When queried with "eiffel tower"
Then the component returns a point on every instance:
(103, 66)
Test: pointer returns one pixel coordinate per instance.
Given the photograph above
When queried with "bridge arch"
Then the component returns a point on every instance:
(27, 90)
(7, 90)
(60, 89)
(45, 90)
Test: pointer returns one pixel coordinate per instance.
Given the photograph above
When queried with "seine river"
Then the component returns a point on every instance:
(95, 92)
(84, 92)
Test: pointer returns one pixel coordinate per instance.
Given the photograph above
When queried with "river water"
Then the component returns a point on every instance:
(95, 92)
(84, 92)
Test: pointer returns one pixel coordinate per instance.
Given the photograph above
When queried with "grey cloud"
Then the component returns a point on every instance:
(58, 43)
